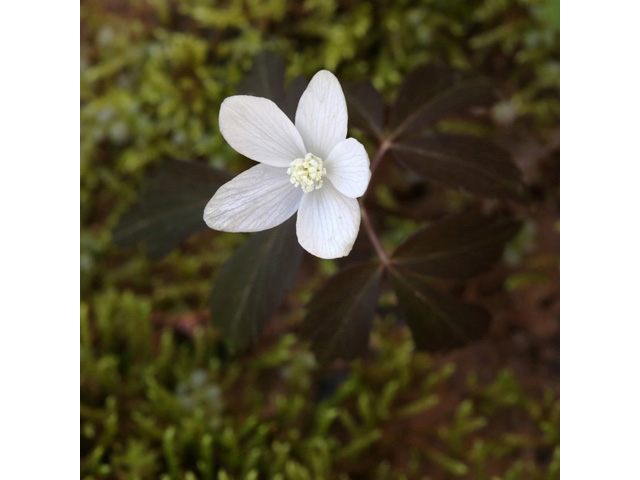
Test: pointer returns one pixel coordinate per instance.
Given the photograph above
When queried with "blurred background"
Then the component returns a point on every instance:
(161, 397)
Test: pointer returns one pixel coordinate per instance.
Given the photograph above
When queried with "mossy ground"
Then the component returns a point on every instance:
(160, 396)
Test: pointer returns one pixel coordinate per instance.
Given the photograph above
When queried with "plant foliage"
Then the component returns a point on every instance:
(252, 283)
(160, 397)
(170, 206)
(341, 313)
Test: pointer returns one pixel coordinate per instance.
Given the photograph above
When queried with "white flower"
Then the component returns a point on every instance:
(311, 168)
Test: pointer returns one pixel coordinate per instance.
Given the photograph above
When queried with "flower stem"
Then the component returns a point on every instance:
(373, 237)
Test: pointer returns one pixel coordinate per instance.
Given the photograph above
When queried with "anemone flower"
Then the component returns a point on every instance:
(311, 168)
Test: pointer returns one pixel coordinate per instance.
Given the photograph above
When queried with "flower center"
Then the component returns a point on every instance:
(307, 172)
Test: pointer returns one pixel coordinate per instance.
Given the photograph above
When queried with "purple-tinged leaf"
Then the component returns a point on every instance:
(458, 247)
(431, 92)
(366, 108)
(462, 161)
(253, 282)
(341, 313)
(170, 206)
(438, 322)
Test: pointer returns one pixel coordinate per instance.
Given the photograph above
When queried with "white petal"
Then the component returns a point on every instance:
(322, 117)
(258, 199)
(258, 129)
(328, 222)
(348, 168)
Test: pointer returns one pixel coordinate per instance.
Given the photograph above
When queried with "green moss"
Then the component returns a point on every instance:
(153, 404)
(153, 74)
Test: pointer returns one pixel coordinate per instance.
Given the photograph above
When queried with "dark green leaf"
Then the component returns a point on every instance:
(366, 107)
(437, 321)
(251, 285)
(458, 247)
(341, 313)
(462, 161)
(170, 206)
(292, 96)
(431, 92)
(266, 78)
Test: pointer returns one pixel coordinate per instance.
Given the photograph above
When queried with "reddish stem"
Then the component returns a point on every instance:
(366, 221)
(384, 146)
